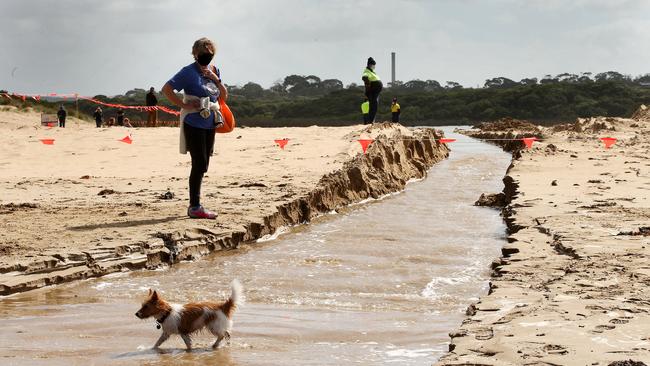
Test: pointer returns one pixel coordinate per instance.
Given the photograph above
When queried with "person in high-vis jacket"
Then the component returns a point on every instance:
(395, 111)
(365, 110)
(373, 88)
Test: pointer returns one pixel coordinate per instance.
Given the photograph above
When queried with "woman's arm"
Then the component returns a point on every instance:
(212, 75)
(223, 91)
(366, 84)
(168, 91)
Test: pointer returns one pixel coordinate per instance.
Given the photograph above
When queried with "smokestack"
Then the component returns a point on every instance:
(392, 62)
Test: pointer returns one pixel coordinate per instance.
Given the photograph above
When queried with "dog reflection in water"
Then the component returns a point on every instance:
(190, 318)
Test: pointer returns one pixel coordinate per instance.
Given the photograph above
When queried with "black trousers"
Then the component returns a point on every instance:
(373, 99)
(366, 120)
(98, 122)
(62, 122)
(200, 144)
(395, 117)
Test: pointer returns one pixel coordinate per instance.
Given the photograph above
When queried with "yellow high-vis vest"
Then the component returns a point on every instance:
(394, 108)
(365, 107)
(370, 74)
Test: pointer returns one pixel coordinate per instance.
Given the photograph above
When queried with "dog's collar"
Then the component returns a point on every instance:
(162, 320)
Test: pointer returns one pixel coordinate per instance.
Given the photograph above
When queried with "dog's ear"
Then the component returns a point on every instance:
(150, 291)
(154, 296)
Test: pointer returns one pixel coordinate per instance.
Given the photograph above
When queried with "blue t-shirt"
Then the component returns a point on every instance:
(192, 82)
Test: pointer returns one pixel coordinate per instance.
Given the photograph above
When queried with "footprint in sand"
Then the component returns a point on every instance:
(621, 320)
(484, 334)
(602, 328)
(555, 349)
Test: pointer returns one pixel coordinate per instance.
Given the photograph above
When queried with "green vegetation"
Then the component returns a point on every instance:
(305, 100)
(551, 100)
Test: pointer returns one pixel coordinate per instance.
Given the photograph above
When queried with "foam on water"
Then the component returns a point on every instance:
(275, 235)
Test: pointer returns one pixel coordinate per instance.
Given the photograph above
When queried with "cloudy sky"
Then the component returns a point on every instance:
(111, 46)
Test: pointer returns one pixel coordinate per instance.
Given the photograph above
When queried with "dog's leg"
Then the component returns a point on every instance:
(163, 337)
(187, 340)
(216, 344)
(226, 336)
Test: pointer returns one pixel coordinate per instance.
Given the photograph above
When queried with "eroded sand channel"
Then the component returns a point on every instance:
(379, 283)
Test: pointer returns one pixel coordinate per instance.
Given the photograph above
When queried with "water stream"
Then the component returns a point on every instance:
(378, 283)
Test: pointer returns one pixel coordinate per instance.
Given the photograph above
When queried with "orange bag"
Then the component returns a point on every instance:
(228, 118)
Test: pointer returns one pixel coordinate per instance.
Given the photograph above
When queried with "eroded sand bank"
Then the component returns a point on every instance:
(91, 205)
(572, 287)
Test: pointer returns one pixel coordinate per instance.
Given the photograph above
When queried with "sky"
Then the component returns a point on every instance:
(109, 47)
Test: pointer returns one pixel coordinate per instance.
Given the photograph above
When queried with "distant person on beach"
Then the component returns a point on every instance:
(120, 117)
(202, 86)
(152, 101)
(365, 109)
(61, 115)
(395, 111)
(373, 88)
(98, 117)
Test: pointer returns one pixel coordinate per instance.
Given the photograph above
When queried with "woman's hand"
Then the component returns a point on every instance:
(208, 73)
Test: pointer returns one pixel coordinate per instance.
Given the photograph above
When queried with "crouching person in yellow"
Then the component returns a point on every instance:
(395, 111)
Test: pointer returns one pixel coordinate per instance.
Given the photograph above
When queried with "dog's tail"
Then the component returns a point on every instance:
(236, 298)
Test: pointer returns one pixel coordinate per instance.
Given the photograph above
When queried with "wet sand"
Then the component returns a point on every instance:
(90, 205)
(572, 287)
(378, 283)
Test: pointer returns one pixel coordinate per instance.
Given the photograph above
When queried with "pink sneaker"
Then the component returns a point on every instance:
(199, 212)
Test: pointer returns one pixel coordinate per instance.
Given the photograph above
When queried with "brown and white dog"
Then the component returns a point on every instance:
(190, 318)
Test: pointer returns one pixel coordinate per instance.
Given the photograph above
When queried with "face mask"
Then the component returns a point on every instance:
(372, 67)
(204, 59)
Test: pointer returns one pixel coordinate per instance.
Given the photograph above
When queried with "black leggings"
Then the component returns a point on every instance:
(373, 98)
(200, 144)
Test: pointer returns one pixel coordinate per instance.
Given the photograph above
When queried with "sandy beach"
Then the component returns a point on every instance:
(90, 204)
(572, 287)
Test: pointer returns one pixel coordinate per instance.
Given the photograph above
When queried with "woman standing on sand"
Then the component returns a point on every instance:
(373, 87)
(202, 87)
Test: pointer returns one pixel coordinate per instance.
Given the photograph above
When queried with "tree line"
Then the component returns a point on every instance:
(551, 99)
(304, 100)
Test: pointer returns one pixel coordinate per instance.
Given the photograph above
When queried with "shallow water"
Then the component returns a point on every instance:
(379, 283)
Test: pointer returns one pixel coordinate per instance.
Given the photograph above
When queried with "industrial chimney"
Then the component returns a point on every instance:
(392, 62)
